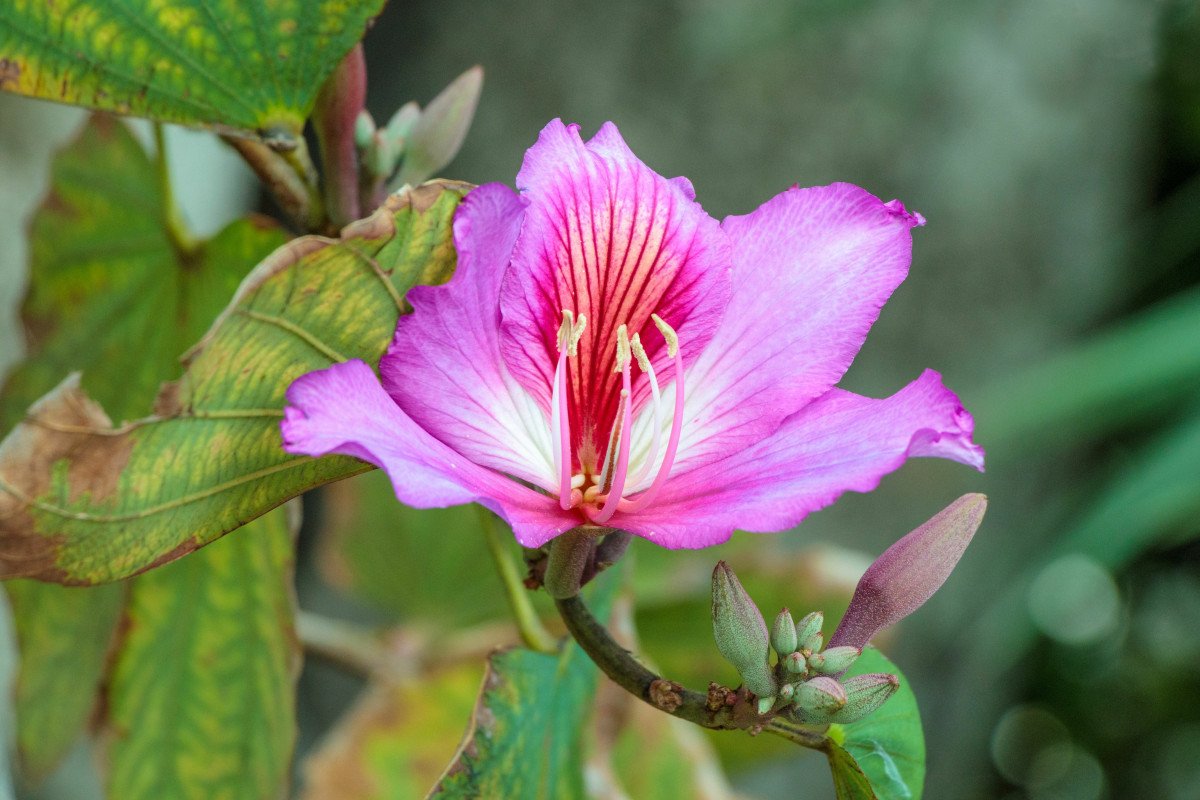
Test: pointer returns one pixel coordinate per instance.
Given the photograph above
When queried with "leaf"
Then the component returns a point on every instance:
(202, 697)
(525, 738)
(366, 547)
(65, 634)
(1114, 378)
(108, 291)
(889, 745)
(439, 131)
(636, 751)
(849, 780)
(83, 502)
(240, 67)
(396, 740)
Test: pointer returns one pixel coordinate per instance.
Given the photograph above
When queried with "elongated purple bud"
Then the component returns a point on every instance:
(741, 632)
(864, 695)
(909, 572)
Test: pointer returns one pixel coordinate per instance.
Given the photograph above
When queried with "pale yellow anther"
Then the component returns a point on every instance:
(668, 333)
(576, 335)
(623, 351)
(639, 353)
(566, 330)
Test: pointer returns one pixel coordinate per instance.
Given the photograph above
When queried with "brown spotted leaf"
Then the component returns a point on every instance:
(206, 458)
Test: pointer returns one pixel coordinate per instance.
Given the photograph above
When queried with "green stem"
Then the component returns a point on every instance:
(287, 187)
(181, 238)
(529, 625)
(570, 553)
(712, 710)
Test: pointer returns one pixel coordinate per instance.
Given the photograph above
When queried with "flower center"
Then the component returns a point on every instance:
(600, 494)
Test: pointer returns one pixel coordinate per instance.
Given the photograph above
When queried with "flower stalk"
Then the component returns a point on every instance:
(529, 625)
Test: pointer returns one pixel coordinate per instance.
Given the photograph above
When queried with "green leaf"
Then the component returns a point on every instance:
(244, 67)
(654, 756)
(367, 545)
(202, 694)
(526, 734)
(82, 502)
(64, 637)
(849, 780)
(394, 742)
(889, 745)
(1113, 378)
(109, 291)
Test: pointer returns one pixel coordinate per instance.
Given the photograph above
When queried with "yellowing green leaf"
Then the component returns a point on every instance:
(65, 634)
(110, 293)
(395, 742)
(243, 66)
(83, 502)
(202, 696)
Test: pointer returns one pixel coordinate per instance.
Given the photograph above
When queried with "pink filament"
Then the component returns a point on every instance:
(563, 433)
(643, 500)
(622, 469)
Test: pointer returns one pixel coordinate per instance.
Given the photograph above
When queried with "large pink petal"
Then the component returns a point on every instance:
(839, 442)
(444, 368)
(343, 409)
(606, 237)
(812, 268)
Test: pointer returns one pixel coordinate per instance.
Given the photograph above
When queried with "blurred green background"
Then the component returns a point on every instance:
(1055, 150)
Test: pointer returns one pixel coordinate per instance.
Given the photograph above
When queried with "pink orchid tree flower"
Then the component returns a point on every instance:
(608, 354)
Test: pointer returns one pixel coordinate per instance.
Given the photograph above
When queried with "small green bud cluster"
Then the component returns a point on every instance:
(805, 679)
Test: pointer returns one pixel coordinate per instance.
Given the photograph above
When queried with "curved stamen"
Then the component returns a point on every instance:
(562, 432)
(644, 364)
(560, 421)
(644, 499)
(623, 434)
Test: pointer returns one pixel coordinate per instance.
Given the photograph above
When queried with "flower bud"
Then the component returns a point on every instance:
(783, 634)
(806, 627)
(819, 698)
(864, 695)
(833, 660)
(741, 632)
(787, 691)
(910, 571)
(364, 129)
(795, 664)
(813, 643)
(765, 704)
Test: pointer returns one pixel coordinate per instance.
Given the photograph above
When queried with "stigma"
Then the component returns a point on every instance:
(600, 494)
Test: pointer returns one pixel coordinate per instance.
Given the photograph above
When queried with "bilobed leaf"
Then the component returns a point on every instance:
(202, 694)
(111, 294)
(525, 737)
(83, 502)
(245, 67)
(396, 740)
(64, 636)
(849, 780)
(888, 745)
